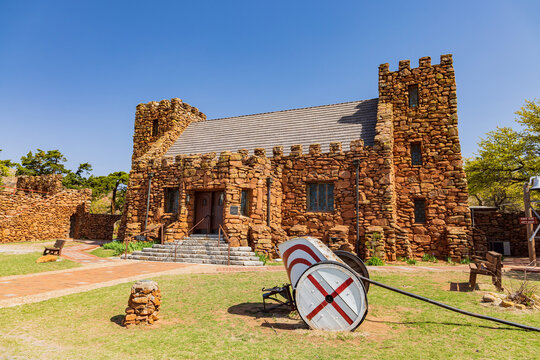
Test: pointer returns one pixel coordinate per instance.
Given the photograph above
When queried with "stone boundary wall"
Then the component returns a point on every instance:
(500, 226)
(34, 216)
(95, 226)
(45, 183)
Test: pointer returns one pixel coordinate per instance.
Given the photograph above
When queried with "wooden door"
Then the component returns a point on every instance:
(203, 209)
(217, 210)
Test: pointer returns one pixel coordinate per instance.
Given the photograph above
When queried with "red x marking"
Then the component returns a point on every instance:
(336, 292)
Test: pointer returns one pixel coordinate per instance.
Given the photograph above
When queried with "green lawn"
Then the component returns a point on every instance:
(101, 252)
(220, 317)
(19, 264)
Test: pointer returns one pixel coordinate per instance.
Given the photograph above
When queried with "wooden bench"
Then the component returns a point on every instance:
(491, 266)
(56, 249)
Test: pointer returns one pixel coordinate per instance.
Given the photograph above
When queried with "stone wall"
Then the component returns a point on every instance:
(171, 117)
(40, 216)
(499, 226)
(440, 180)
(95, 226)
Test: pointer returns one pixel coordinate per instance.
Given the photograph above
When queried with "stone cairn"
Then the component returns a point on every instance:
(144, 303)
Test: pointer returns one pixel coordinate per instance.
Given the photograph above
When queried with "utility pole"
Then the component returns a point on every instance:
(530, 232)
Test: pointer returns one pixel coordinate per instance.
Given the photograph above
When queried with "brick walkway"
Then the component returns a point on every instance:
(78, 253)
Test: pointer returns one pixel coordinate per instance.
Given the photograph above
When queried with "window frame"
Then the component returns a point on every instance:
(329, 204)
(410, 90)
(416, 148)
(420, 219)
(244, 202)
(171, 203)
(155, 127)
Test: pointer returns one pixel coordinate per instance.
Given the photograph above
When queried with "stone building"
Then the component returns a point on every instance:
(266, 177)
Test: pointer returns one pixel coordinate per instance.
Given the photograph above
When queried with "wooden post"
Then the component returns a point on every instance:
(530, 234)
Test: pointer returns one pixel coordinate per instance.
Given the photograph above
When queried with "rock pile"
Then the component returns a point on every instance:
(504, 301)
(144, 303)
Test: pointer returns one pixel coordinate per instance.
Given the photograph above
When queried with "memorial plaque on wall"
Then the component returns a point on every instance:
(234, 210)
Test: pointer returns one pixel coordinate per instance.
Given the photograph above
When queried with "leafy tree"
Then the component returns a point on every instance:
(42, 163)
(5, 166)
(506, 159)
(79, 178)
(114, 183)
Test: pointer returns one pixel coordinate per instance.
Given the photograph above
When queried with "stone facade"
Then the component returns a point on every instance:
(497, 226)
(388, 184)
(42, 210)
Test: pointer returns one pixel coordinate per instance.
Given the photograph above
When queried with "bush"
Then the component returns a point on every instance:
(375, 261)
(410, 261)
(429, 258)
(262, 257)
(119, 247)
(465, 260)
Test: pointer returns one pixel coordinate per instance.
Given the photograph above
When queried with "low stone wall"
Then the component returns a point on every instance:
(498, 226)
(95, 226)
(36, 216)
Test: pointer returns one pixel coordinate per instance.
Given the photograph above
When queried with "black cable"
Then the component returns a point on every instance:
(448, 307)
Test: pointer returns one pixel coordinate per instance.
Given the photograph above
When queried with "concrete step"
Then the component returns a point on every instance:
(215, 251)
(197, 260)
(242, 256)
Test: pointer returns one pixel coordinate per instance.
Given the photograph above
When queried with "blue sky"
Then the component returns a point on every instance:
(72, 72)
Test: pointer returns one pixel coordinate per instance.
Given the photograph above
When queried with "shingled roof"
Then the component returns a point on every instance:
(319, 124)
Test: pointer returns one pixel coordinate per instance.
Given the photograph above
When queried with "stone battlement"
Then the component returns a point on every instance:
(423, 62)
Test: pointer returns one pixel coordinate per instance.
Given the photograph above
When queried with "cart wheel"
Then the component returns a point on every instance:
(330, 296)
(354, 263)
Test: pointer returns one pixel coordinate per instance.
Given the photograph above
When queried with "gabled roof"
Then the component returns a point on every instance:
(319, 124)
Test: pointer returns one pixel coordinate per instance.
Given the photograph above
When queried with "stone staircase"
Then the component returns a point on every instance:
(198, 249)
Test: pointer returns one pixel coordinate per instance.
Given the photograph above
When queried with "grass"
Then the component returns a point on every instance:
(104, 253)
(219, 317)
(20, 264)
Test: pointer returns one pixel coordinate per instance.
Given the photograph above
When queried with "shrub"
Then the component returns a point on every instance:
(375, 261)
(410, 261)
(119, 247)
(450, 261)
(465, 260)
(429, 258)
(262, 257)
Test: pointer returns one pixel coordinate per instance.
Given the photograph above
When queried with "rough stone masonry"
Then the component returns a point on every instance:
(412, 191)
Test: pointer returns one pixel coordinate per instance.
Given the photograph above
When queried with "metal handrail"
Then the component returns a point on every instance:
(188, 232)
(221, 229)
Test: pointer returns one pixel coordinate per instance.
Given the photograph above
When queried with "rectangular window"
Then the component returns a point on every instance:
(320, 197)
(413, 96)
(244, 203)
(171, 200)
(416, 154)
(419, 211)
(155, 127)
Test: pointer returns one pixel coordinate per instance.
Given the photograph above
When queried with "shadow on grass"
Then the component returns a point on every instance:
(460, 287)
(521, 275)
(118, 320)
(280, 317)
(445, 323)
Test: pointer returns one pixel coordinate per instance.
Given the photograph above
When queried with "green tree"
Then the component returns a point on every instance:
(114, 184)
(506, 159)
(42, 163)
(5, 166)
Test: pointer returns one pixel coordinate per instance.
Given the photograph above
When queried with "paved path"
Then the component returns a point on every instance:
(78, 253)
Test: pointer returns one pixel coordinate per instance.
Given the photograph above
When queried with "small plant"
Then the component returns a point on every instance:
(525, 294)
(119, 246)
(465, 260)
(429, 258)
(450, 261)
(262, 257)
(410, 261)
(375, 261)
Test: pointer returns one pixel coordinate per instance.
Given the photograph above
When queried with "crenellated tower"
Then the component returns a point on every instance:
(430, 183)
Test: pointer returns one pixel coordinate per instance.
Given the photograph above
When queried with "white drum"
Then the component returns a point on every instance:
(330, 296)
